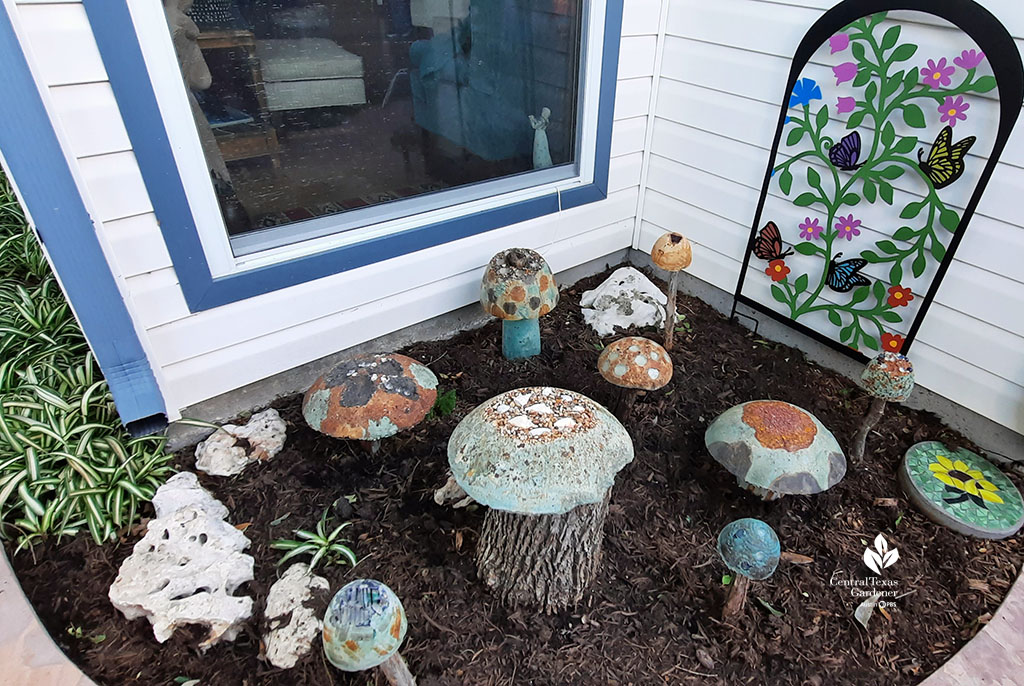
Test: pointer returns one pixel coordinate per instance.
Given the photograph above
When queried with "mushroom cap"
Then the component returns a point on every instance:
(364, 625)
(369, 397)
(518, 284)
(635, 362)
(749, 547)
(538, 451)
(776, 446)
(889, 376)
(672, 252)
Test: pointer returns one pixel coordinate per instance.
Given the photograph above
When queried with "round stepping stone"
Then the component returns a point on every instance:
(961, 491)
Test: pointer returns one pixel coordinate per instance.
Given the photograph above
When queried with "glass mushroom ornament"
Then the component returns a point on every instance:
(634, 364)
(518, 288)
(364, 627)
(370, 397)
(775, 448)
(751, 549)
(888, 378)
(673, 253)
(543, 461)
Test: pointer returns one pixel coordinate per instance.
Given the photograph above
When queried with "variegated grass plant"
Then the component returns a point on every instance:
(66, 464)
(321, 545)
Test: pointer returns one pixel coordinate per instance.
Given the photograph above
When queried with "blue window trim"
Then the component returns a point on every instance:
(38, 166)
(119, 47)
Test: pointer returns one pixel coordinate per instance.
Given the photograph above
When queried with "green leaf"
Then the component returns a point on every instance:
(984, 84)
(893, 171)
(779, 294)
(851, 199)
(856, 118)
(911, 79)
(903, 53)
(769, 607)
(807, 248)
(869, 190)
(892, 84)
(795, 136)
(860, 295)
(920, 264)
(891, 316)
(726, 579)
(949, 219)
(805, 199)
(938, 250)
(846, 333)
(822, 117)
(912, 210)
(888, 247)
(878, 289)
(834, 317)
(871, 91)
(885, 191)
(857, 49)
(888, 134)
(896, 273)
(801, 283)
(904, 233)
(905, 145)
(813, 179)
(891, 37)
(871, 256)
(786, 181)
(913, 116)
(871, 342)
(862, 77)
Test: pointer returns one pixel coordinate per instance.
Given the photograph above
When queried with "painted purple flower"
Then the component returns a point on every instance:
(953, 110)
(845, 72)
(846, 227)
(810, 229)
(845, 105)
(839, 42)
(969, 59)
(937, 73)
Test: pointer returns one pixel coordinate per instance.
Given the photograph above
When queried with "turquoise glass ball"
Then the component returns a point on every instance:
(750, 547)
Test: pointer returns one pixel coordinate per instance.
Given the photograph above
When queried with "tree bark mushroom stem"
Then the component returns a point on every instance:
(624, 402)
(545, 561)
(670, 310)
(397, 671)
(737, 597)
(870, 419)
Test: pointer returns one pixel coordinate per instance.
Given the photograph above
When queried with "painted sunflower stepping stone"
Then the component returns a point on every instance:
(961, 490)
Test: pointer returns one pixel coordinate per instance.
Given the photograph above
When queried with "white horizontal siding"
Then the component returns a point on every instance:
(201, 355)
(724, 68)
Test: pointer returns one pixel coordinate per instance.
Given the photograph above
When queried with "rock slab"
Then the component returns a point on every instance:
(294, 606)
(230, 449)
(626, 299)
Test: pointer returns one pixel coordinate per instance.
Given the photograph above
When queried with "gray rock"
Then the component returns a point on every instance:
(294, 606)
(626, 299)
(230, 449)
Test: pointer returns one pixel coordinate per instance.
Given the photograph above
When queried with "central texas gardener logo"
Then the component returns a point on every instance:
(881, 556)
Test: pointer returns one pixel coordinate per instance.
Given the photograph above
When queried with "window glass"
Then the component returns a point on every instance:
(313, 108)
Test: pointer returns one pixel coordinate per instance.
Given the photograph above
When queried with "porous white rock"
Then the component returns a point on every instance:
(627, 298)
(230, 449)
(295, 604)
(187, 567)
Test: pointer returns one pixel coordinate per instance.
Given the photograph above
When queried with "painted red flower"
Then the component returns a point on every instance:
(899, 296)
(891, 342)
(777, 269)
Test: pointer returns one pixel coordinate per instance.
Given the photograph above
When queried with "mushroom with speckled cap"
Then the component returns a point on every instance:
(364, 627)
(370, 397)
(673, 253)
(543, 461)
(887, 378)
(634, 364)
(751, 549)
(518, 288)
(775, 449)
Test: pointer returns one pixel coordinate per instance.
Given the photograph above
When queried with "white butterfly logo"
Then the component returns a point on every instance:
(882, 556)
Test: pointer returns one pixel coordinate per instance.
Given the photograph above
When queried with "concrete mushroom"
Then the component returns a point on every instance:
(673, 253)
(634, 364)
(888, 378)
(518, 288)
(543, 460)
(370, 397)
(364, 627)
(775, 449)
(751, 549)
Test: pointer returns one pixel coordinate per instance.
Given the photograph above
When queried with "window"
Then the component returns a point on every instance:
(314, 116)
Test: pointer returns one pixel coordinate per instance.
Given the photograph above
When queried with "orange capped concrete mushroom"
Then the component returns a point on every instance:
(673, 253)
(634, 364)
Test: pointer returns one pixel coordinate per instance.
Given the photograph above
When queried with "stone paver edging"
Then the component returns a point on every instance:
(29, 657)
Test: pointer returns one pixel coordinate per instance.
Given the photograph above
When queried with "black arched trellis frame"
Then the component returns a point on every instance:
(1001, 52)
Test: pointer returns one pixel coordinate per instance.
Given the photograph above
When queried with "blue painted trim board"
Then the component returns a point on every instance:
(38, 166)
(119, 47)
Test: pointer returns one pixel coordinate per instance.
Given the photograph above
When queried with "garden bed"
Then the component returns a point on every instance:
(652, 615)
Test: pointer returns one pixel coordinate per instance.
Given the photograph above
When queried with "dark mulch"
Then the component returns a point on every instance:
(652, 615)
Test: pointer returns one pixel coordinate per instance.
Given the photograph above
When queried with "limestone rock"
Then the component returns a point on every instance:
(294, 606)
(230, 449)
(187, 567)
(627, 298)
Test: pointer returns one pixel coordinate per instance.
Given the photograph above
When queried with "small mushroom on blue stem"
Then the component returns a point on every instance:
(888, 378)
(364, 627)
(518, 288)
(751, 549)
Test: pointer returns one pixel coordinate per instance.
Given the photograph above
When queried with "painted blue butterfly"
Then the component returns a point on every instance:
(845, 153)
(843, 276)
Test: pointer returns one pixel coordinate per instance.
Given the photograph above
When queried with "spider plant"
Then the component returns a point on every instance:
(323, 546)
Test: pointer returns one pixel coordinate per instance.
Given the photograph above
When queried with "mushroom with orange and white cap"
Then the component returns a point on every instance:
(673, 253)
(634, 364)
(518, 288)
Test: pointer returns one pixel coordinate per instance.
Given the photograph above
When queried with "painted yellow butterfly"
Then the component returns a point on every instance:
(945, 163)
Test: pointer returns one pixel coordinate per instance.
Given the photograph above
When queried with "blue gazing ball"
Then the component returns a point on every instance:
(749, 547)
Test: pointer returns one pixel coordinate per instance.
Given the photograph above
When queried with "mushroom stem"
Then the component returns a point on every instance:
(624, 403)
(520, 338)
(397, 671)
(670, 310)
(870, 419)
(371, 447)
(737, 597)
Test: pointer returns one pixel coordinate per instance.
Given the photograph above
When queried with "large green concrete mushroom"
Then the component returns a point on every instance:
(518, 288)
(543, 460)
(888, 378)
(775, 449)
